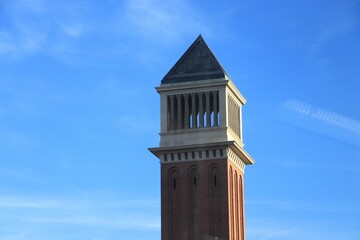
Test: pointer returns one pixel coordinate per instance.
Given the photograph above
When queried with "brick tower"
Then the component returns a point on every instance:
(201, 150)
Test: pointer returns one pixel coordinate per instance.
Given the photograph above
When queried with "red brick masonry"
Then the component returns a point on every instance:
(202, 200)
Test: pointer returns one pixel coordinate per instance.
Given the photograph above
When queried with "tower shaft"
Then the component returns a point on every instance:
(201, 150)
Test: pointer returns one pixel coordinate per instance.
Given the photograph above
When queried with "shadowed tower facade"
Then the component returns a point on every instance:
(201, 150)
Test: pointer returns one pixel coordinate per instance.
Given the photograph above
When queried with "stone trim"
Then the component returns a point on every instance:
(204, 152)
(202, 155)
(192, 155)
(235, 159)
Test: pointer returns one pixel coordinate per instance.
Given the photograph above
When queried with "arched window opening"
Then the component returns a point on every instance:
(212, 117)
(174, 183)
(191, 121)
(198, 120)
(173, 179)
(205, 123)
(193, 180)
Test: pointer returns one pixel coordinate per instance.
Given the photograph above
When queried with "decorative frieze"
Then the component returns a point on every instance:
(233, 157)
(202, 154)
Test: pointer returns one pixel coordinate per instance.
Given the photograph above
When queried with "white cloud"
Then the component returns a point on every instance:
(164, 20)
(136, 122)
(17, 138)
(319, 120)
(289, 205)
(327, 167)
(73, 30)
(62, 30)
(323, 115)
(271, 233)
(17, 174)
(34, 26)
(19, 44)
(97, 210)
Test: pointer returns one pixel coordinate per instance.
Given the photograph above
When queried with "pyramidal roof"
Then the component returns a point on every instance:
(197, 63)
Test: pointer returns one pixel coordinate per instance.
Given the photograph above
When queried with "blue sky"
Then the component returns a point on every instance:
(78, 111)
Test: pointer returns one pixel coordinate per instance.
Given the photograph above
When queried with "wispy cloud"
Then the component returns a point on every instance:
(24, 43)
(24, 174)
(34, 26)
(73, 30)
(136, 123)
(320, 120)
(165, 20)
(18, 139)
(290, 205)
(322, 115)
(306, 165)
(63, 29)
(298, 229)
(271, 233)
(124, 222)
(86, 201)
(322, 38)
(98, 211)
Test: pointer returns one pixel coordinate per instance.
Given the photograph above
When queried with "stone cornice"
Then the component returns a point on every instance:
(192, 86)
(229, 150)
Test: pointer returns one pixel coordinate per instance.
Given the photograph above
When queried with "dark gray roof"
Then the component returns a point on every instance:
(197, 63)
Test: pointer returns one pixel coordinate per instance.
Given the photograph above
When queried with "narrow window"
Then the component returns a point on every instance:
(200, 154)
(205, 122)
(165, 157)
(212, 119)
(186, 156)
(198, 120)
(215, 181)
(194, 182)
(179, 156)
(207, 153)
(191, 121)
(214, 153)
(174, 183)
(221, 153)
(172, 157)
(193, 155)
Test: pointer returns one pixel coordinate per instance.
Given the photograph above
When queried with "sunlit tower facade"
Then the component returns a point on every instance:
(201, 150)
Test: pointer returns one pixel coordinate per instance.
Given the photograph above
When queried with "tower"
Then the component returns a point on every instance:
(201, 150)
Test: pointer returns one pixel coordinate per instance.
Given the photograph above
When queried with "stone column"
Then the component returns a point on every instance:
(179, 115)
(193, 110)
(216, 110)
(208, 110)
(201, 110)
(172, 113)
(186, 111)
